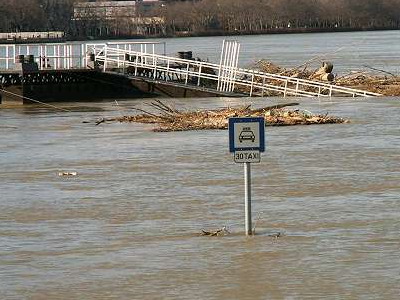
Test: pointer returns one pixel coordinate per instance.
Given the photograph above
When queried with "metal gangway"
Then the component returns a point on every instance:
(221, 77)
(148, 61)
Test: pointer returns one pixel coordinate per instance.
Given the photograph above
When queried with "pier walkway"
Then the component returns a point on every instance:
(148, 64)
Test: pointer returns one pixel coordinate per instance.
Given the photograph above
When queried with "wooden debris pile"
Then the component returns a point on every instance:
(382, 84)
(170, 119)
(269, 67)
(324, 73)
(371, 79)
(302, 71)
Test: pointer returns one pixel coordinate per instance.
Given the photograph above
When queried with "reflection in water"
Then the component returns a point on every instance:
(128, 225)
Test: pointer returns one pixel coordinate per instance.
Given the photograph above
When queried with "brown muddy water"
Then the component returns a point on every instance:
(127, 226)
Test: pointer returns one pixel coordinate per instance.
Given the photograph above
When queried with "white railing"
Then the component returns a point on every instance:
(148, 59)
(67, 55)
(228, 65)
(208, 75)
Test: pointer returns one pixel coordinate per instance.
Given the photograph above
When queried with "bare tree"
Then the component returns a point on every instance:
(205, 16)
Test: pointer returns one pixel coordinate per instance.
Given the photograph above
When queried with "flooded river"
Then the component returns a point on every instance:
(128, 225)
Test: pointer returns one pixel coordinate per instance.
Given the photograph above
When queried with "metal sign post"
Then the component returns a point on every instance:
(247, 198)
(246, 141)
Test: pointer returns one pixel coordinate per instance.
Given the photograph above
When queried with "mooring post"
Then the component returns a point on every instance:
(247, 199)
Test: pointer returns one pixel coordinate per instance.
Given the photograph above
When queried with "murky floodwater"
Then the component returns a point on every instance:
(127, 226)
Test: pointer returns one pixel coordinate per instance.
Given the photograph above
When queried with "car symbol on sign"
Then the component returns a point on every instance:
(246, 135)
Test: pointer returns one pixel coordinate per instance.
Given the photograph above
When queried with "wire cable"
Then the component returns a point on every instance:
(34, 100)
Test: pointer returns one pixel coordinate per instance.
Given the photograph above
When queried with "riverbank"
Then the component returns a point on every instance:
(211, 33)
(299, 30)
(182, 34)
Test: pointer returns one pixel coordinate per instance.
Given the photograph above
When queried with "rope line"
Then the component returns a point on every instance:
(34, 100)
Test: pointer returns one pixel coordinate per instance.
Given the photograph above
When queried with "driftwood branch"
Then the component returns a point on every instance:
(102, 120)
(379, 70)
(222, 231)
(161, 109)
(277, 106)
(146, 112)
(167, 107)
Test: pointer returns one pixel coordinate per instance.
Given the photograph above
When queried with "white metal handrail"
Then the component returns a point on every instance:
(148, 56)
(67, 55)
(251, 82)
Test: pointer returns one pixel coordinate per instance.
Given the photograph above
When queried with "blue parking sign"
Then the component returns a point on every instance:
(246, 134)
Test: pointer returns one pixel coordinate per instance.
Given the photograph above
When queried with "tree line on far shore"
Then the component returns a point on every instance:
(253, 16)
(204, 17)
(36, 15)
